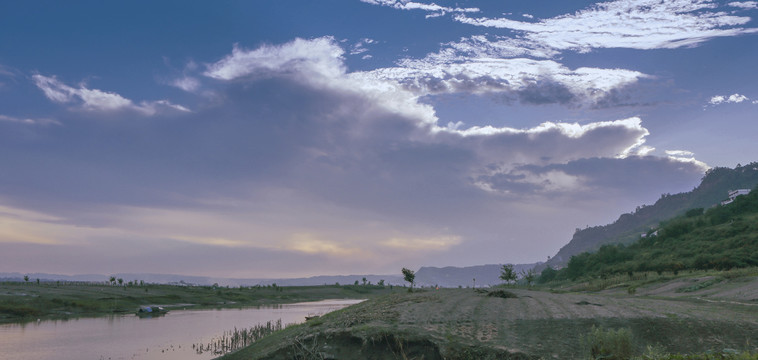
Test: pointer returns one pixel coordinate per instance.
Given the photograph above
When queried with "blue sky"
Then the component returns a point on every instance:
(296, 138)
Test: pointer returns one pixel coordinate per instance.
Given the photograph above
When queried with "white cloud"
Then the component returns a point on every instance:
(680, 153)
(435, 9)
(718, 99)
(317, 57)
(480, 46)
(532, 81)
(745, 4)
(636, 24)
(736, 98)
(97, 100)
(317, 62)
(186, 83)
(731, 99)
(360, 47)
(686, 156)
(29, 121)
(528, 16)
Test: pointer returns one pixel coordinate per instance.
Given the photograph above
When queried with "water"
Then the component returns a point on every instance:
(167, 337)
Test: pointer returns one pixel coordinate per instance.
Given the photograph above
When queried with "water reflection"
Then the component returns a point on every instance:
(167, 337)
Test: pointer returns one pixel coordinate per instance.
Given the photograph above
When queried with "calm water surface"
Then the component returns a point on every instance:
(167, 337)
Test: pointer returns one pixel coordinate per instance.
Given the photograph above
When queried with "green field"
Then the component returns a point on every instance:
(684, 314)
(50, 300)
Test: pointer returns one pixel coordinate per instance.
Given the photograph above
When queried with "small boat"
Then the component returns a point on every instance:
(150, 311)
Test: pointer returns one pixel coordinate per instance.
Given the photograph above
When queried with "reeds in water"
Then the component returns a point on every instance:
(233, 340)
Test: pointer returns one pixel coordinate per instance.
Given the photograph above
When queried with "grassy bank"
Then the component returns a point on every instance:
(674, 315)
(50, 300)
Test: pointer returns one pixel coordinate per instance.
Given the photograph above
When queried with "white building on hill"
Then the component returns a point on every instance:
(733, 194)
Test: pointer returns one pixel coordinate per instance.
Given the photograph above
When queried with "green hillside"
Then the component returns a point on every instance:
(713, 188)
(721, 238)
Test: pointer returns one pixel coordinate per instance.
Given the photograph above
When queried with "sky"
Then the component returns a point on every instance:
(298, 138)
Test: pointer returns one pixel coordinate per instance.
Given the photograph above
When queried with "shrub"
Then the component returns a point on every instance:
(608, 344)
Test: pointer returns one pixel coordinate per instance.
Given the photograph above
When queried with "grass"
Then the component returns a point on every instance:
(608, 344)
(21, 302)
(640, 279)
(471, 324)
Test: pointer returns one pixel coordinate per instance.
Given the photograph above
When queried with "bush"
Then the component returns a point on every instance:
(608, 344)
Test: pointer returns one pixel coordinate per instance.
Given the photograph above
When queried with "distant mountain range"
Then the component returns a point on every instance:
(485, 275)
(426, 276)
(713, 188)
(204, 280)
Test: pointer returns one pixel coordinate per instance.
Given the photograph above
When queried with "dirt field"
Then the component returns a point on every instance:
(464, 323)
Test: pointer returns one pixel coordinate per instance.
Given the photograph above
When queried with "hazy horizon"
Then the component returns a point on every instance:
(300, 138)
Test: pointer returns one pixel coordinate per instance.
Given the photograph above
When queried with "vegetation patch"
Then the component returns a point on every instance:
(608, 344)
(502, 294)
(699, 285)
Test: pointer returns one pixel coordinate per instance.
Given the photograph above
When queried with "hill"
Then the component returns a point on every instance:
(721, 238)
(713, 188)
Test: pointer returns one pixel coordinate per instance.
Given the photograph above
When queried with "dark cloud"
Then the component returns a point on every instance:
(546, 92)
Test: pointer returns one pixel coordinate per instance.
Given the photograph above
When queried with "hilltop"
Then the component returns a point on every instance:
(713, 188)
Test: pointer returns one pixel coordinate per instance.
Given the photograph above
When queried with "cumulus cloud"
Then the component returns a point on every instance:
(304, 160)
(315, 57)
(731, 99)
(98, 100)
(635, 24)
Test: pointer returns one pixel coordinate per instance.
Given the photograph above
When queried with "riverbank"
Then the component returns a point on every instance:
(684, 314)
(20, 302)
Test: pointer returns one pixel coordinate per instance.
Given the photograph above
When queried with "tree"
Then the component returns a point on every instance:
(548, 274)
(120, 281)
(507, 273)
(26, 278)
(409, 276)
(381, 282)
(112, 280)
(529, 276)
(364, 281)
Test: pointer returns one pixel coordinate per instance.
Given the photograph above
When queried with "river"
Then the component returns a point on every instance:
(168, 337)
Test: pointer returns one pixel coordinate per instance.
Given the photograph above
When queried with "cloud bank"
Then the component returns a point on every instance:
(301, 159)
